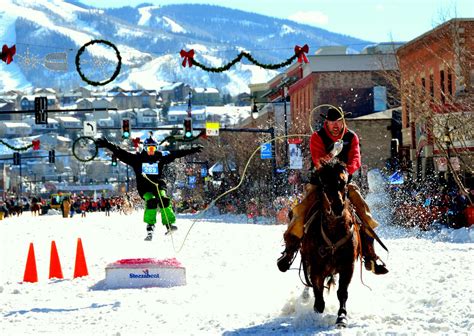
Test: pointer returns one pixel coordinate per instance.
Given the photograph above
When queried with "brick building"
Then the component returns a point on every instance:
(437, 78)
(355, 82)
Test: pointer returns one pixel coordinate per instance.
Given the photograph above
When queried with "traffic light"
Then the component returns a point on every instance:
(126, 128)
(114, 160)
(43, 179)
(188, 128)
(16, 158)
(52, 156)
(41, 110)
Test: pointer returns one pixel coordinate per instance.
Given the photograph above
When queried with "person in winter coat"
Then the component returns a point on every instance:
(334, 133)
(148, 166)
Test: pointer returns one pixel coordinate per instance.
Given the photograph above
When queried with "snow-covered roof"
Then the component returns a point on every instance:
(171, 86)
(206, 90)
(64, 139)
(15, 124)
(68, 119)
(183, 109)
(32, 97)
(387, 114)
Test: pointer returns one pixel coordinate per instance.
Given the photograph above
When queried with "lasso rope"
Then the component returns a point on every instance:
(243, 174)
(230, 190)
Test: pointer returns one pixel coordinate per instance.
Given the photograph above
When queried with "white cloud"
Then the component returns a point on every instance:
(314, 18)
(379, 8)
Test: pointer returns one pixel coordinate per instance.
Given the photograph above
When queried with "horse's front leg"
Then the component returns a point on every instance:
(342, 295)
(318, 288)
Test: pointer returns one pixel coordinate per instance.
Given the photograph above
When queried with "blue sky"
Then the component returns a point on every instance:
(373, 20)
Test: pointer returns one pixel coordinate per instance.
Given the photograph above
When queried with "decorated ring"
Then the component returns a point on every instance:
(74, 149)
(78, 62)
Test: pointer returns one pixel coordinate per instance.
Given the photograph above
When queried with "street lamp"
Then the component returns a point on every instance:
(254, 111)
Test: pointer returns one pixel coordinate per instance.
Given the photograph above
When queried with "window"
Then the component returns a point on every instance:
(431, 87)
(423, 87)
(442, 86)
(450, 85)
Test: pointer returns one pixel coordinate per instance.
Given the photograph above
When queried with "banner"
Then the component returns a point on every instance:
(295, 156)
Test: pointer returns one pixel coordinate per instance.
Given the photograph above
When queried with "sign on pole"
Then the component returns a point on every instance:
(266, 151)
(212, 128)
(90, 128)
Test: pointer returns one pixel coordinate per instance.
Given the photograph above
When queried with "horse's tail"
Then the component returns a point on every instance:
(331, 282)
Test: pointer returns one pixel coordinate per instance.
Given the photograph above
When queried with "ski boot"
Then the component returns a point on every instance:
(149, 230)
(170, 228)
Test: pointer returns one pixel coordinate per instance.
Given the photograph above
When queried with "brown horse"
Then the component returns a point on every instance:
(35, 209)
(330, 245)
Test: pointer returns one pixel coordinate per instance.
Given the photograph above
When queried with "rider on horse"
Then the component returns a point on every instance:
(321, 144)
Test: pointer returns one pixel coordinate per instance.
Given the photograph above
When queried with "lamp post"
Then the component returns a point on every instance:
(254, 111)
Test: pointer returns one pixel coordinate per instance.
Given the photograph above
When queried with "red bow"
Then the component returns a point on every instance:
(300, 52)
(188, 56)
(136, 142)
(36, 144)
(8, 53)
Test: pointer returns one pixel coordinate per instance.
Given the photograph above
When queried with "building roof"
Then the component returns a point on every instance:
(387, 114)
(430, 32)
(171, 86)
(206, 90)
(350, 62)
(68, 119)
(11, 124)
(183, 109)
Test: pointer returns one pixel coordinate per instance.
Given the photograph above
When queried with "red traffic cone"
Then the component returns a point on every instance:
(31, 275)
(80, 268)
(55, 270)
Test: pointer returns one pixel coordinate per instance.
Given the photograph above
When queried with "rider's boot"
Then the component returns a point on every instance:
(370, 258)
(295, 230)
(288, 255)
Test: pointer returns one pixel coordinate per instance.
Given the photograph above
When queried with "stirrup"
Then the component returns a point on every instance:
(371, 265)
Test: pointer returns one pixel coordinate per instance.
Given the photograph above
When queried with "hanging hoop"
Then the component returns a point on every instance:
(84, 149)
(78, 63)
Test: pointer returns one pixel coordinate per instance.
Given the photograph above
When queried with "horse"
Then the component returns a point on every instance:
(35, 209)
(331, 241)
(15, 210)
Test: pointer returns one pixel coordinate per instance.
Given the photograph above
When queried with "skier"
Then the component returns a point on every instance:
(148, 167)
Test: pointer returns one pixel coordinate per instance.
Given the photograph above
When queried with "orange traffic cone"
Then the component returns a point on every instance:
(31, 275)
(54, 263)
(80, 269)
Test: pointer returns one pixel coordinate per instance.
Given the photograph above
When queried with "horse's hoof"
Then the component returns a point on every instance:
(319, 308)
(341, 321)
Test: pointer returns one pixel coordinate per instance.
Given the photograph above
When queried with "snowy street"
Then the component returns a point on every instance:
(233, 284)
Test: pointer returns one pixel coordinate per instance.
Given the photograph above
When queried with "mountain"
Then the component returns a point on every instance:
(149, 39)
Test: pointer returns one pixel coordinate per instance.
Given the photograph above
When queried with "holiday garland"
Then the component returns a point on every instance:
(78, 62)
(300, 54)
(16, 148)
(74, 149)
